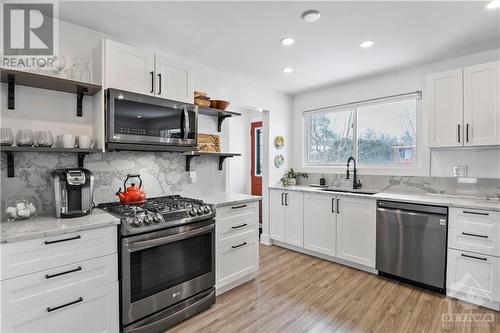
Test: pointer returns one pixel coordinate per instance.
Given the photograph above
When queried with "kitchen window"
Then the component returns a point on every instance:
(379, 133)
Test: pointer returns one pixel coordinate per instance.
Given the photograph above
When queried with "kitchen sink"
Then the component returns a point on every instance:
(349, 191)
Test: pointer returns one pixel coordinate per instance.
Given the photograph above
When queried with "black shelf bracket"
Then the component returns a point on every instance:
(221, 161)
(220, 119)
(10, 164)
(81, 159)
(188, 161)
(11, 86)
(79, 98)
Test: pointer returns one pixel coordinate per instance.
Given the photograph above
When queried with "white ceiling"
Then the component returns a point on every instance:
(243, 38)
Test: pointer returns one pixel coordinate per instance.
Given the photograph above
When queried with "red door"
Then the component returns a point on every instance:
(257, 147)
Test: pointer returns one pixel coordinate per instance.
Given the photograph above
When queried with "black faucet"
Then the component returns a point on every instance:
(355, 182)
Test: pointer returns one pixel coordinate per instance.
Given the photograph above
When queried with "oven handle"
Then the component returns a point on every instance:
(140, 245)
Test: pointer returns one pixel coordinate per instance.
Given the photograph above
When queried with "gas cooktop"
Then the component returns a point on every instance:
(159, 213)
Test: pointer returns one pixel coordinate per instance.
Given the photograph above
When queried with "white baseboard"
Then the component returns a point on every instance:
(265, 239)
(474, 299)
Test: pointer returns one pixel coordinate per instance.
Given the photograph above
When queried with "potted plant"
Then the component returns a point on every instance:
(290, 178)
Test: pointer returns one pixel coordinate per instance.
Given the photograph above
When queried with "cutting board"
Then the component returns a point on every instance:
(208, 142)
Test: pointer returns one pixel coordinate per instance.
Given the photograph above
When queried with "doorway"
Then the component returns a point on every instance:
(257, 160)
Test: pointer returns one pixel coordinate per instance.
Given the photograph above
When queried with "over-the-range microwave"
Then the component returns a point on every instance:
(141, 122)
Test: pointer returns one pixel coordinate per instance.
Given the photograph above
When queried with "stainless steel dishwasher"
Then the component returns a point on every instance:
(411, 243)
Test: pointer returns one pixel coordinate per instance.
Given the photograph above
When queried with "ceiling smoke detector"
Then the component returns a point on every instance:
(311, 15)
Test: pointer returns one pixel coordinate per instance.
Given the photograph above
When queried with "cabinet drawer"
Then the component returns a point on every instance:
(473, 274)
(27, 291)
(238, 212)
(95, 310)
(475, 220)
(237, 260)
(25, 257)
(231, 232)
(479, 242)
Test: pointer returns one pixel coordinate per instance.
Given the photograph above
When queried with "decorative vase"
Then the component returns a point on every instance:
(80, 70)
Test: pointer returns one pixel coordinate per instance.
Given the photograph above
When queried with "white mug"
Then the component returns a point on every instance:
(67, 140)
(85, 141)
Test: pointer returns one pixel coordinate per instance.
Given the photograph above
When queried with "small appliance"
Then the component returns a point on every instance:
(73, 192)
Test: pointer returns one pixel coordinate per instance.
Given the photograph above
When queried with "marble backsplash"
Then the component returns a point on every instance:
(161, 173)
(480, 187)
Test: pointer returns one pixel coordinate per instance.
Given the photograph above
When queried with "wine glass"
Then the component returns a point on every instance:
(6, 137)
(24, 138)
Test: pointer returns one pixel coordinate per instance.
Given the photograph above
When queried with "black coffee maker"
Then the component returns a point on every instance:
(73, 192)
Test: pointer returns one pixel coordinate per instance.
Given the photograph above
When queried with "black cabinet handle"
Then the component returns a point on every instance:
(333, 205)
(49, 309)
(474, 235)
(286, 199)
(282, 195)
(62, 240)
(458, 133)
(476, 213)
(474, 257)
(238, 207)
(338, 206)
(159, 83)
(49, 276)
(239, 226)
(467, 133)
(239, 245)
(152, 81)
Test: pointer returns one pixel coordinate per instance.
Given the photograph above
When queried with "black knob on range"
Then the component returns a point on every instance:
(192, 212)
(206, 209)
(199, 211)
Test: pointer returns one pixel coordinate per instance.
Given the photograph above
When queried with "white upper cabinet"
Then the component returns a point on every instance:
(482, 104)
(174, 79)
(129, 68)
(464, 106)
(132, 69)
(356, 230)
(319, 223)
(444, 101)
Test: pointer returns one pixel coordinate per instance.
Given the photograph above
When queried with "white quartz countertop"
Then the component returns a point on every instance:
(47, 226)
(228, 198)
(424, 198)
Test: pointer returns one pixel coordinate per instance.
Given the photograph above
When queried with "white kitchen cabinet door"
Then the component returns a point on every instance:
(174, 79)
(294, 218)
(482, 104)
(237, 260)
(129, 68)
(445, 105)
(92, 311)
(277, 215)
(356, 230)
(474, 274)
(319, 223)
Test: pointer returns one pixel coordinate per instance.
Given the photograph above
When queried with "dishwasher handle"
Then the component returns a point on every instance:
(418, 208)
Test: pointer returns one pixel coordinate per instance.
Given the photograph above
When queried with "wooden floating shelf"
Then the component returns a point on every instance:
(222, 157)
(10, 150)
(42, 81)
(220, 114)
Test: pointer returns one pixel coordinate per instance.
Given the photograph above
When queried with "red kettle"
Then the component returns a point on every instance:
(132, 194)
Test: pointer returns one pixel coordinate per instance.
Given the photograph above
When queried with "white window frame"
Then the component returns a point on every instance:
(420, 168)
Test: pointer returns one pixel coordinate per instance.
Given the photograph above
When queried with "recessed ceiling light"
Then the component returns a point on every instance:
(493, 4)
(311, 15)
(287, 69)
(287, 41)
(367, 43)
(139, 116)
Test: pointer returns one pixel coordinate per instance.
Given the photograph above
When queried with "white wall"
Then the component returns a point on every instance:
(403, 81)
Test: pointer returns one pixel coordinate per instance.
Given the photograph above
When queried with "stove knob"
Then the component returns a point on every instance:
(138, 221)
(206, 209)
(192, 212)
(148, 219)
(157, 218)
(199, 211)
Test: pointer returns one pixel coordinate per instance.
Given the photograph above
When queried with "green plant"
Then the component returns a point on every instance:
(291, 174)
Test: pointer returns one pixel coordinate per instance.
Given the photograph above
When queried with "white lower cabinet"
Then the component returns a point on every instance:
(356, 230)
(319, 223)
(286, 217)
(237, 244)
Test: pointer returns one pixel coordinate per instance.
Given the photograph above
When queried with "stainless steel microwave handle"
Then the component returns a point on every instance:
(186, 122)
(135, 246)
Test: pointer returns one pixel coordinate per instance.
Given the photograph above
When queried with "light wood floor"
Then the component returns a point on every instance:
(299, 293)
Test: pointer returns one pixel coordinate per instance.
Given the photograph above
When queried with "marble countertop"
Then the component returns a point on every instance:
(47, 226)
(228, 198)
(424, 198)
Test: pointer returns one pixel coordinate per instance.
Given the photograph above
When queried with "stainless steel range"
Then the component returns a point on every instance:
(167, 261)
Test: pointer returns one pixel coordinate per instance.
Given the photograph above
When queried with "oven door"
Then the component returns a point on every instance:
(162, 268)
(140, 119)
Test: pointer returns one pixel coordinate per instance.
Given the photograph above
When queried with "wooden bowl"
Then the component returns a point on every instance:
(219, 104)
(202, 102)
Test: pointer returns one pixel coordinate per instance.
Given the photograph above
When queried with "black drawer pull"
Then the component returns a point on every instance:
(238, 207)
(63, 240)
(474, 257)
(474, 235)
(239, 226)
(49, 309)
(475, 213)
(239, 245)
(49, 276)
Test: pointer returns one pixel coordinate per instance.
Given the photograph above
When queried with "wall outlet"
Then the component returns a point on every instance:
(192, 177)
(460, 171)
